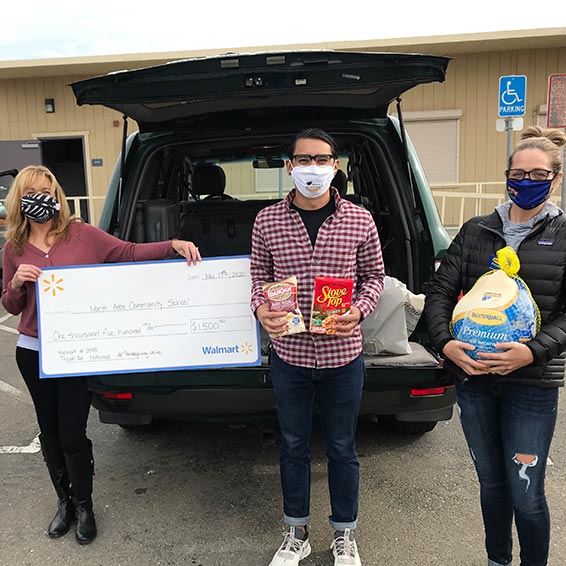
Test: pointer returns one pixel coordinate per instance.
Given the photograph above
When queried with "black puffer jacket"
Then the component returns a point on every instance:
(543, 268)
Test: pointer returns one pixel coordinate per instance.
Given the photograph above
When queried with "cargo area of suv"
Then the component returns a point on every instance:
(209, 154)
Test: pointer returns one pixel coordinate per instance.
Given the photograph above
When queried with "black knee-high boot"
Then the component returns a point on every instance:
(81, 470)
(55, 460)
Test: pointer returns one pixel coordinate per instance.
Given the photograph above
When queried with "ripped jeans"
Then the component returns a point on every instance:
(509, 428)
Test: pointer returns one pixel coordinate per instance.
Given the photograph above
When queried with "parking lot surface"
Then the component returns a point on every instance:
(209, 495)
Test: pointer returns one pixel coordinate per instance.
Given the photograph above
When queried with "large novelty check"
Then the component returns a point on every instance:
(145, 316)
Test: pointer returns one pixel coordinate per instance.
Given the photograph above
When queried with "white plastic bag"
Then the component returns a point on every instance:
(414, 305)
(385, 331)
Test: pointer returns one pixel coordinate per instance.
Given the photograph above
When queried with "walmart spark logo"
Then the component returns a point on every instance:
(52, 285)
(246, 348)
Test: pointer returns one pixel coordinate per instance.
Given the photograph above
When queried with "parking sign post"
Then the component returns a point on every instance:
(509, 129)
(512, 102)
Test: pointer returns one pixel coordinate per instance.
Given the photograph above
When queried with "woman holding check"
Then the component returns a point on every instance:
(42, 233)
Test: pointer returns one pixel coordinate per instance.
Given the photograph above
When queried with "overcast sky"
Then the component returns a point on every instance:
(35, 29)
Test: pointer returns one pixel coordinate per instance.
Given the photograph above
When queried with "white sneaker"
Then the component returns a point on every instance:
(345, 550)
(292, 550)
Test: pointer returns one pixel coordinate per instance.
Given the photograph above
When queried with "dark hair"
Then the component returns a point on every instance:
(548, 140)
(314, 134)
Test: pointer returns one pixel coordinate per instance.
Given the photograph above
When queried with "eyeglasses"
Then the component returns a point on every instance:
(319, 159)
(534, 175)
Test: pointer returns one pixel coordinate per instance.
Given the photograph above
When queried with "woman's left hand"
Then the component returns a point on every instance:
(515, 356)
(188, 250)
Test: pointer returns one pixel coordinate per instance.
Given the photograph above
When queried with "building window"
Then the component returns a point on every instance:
(435, 135)
(273, 180)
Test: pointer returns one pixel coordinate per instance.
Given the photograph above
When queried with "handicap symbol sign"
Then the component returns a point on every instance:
(512, 95)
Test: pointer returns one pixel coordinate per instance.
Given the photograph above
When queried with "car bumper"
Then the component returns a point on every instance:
(406, 391)
(200, 403)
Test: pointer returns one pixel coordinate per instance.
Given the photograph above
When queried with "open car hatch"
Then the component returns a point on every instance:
(167, 95)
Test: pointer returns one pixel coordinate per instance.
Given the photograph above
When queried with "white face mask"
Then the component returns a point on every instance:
(312, 181)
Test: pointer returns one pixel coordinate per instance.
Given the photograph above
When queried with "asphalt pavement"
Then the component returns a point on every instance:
(208, 495)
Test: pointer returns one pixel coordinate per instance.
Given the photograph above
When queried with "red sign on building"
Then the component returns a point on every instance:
(556, 116)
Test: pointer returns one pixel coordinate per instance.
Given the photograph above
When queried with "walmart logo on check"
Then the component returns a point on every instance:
(245, 348)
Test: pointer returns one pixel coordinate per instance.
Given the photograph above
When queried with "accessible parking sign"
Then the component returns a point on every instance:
(512, 95)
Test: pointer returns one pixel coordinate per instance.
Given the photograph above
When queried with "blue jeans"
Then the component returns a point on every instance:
(509, 428)
(338, 392)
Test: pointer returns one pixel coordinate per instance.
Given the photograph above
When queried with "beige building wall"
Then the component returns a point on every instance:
(471, 87)
(23, 117)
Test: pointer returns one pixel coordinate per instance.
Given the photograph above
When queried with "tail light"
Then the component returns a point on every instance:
(114, 396)
(428, 392)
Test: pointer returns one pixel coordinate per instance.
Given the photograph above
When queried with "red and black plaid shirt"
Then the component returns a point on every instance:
(347, 245)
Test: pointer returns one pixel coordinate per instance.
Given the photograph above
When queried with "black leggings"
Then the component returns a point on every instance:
(61, 404)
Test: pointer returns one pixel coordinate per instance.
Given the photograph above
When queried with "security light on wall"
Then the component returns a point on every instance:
(49, 105)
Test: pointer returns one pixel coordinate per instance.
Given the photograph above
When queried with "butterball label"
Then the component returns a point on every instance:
(487, 317)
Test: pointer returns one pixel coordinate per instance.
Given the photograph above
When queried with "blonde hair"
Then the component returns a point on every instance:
(549, 140)
(18, 224)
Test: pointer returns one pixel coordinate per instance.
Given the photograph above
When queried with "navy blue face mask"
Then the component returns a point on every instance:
(529, 193)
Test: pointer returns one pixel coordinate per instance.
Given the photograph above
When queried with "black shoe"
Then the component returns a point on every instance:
(63, 519)
(57, 466)
(81, 470)
(86, 525)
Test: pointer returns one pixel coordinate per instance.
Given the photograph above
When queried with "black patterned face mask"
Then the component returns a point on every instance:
(39, 207)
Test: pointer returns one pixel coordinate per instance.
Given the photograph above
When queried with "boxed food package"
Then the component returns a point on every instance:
(498, 308)
(282, 296)
(332, 297)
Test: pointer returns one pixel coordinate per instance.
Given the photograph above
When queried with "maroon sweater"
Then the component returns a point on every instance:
(86, 245)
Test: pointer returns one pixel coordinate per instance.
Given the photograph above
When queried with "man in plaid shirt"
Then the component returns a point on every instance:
(314, 232)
